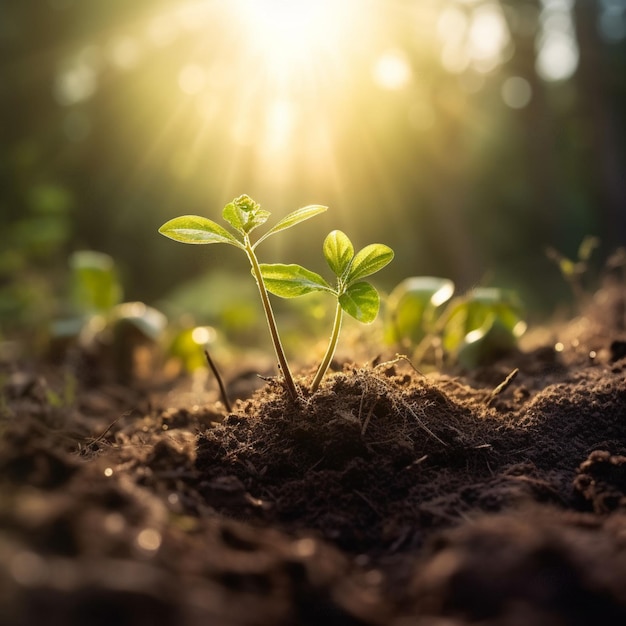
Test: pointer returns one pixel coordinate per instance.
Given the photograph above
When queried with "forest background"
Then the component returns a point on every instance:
(469, 135)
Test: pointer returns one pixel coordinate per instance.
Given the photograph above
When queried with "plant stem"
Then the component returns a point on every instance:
(271, 322)
(330, 351)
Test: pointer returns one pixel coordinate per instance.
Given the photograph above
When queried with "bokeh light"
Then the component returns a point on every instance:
(516, 92)
(557, 57)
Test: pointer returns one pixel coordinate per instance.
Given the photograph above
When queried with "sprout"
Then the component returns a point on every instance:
(355, 296)
(244, 215)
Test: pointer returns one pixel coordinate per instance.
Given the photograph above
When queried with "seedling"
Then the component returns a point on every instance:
(472, 329)
(244, 215)
(356, 297)
(482, 325)
(103, 325)
(413, 308)
(574, 270)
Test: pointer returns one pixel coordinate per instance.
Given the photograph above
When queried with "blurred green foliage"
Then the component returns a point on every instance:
(482, 326)
(98, 325)
(95, 285)
(412, 306)
(118, 116)
(30, 247)
(472, 329)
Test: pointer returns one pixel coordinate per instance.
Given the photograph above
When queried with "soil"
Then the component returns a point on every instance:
(389, 497)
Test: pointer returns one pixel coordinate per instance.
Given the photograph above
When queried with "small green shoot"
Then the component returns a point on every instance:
(99, 321)
(472, 329)
(574, 270)
(244, 215)
(482, 325)
(355, 296)
(97, 294)
(413, 307)
(96, 287)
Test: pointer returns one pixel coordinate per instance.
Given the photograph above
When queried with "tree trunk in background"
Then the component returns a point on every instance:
(541, 127)
(603, 134)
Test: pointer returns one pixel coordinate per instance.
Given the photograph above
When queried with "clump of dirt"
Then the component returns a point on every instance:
(339, 461)
(378, 458)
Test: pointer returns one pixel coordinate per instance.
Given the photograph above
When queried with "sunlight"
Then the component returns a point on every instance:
(287, 33)
(269, 92)
(192, 79)
(280, 121)
(289, 65)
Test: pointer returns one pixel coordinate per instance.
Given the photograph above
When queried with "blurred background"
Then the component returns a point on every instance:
(469, 135)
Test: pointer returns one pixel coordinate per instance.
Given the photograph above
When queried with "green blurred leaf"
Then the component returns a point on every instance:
(487, 343)
(291, 281)
(361, 301)
(41, 235)
(412, 307)
(197, 230)
(95, 284)
(184, 348)
(369, 260)
(479, 310)
(96, 287)
(338, 251)
(49, 199)
(567, 267)
(587, 246)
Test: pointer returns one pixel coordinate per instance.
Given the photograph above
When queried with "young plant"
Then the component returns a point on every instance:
(105, 327)
(356, 297)
(472, 329)
(574, 270)
(413, 308)
(482, 325)
(244, 215)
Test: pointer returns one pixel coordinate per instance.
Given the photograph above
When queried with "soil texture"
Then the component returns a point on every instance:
(389, 497)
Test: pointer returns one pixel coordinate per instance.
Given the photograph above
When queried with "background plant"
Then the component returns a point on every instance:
(413, 308)
(575, 270)
(470, 329)
(355, 296)
(99, 321)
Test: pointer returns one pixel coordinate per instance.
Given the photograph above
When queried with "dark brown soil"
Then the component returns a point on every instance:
(386, 498)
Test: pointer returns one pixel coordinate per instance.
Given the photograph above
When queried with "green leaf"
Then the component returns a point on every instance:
(96, 287)
(361, 301)
(472, 312)
(567, 267)
(244, 214)
(339, 251)
(196, 229)
(412, 307)
(291, 281)
(300, 215)
(486, 344)
(587, 246)
(369, 260)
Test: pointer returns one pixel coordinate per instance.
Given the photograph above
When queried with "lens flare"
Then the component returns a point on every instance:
(292, 61)
(287, 33)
